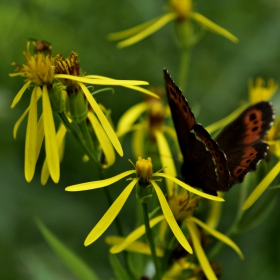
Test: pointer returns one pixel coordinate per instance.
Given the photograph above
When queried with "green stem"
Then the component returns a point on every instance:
(87, 138)
(184, 68)
(77, 136)
(88, 147)
(150, 239)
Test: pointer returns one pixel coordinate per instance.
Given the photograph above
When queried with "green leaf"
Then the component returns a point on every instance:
(120, 272)
(73, 262)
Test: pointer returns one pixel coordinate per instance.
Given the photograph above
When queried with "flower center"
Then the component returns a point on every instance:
(38, 68)
(144, 171)
(68, 66)
(182, 8)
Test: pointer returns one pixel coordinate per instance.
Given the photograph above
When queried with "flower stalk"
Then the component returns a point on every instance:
(150, 239)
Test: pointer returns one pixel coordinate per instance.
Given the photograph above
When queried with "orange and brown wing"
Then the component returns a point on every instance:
(242, 142)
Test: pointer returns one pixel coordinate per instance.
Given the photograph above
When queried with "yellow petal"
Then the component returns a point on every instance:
(45, 173)
(225, 121)
(110, 215)
(262, 186)
(50, 138)
(131, 116)
(139, 126)
(19, 121)
(155, 26)
(143, 90)
(171, 220)
(31, 139)
(138, 141)
(204, 263)
(136, 246)
(98, 184)
(60, 138)
(187, 187)
(104, 82)
(103, 139)
(219, 236)
(214, 214)
(105, 123)
(20, 93)
(131, 31)
(166, 160)
(259, 92)
(40, 136)
(127, 86)
(208, 24)
(134, 235)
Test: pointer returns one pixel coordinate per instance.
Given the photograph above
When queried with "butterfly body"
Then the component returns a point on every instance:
(217, 165)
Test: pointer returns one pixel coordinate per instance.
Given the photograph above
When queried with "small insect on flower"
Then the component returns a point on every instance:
(41, 46)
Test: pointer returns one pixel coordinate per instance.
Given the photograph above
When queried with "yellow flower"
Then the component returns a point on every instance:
(182, 206)
(40, 71)
(259, 92)
(107, 157)
(68, 72)
(146, 179)
(181, 10)
(153, 126)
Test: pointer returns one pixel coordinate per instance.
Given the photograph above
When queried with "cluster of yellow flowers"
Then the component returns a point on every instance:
(65, 93)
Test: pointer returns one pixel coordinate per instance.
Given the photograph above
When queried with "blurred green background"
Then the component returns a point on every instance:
(219, 72)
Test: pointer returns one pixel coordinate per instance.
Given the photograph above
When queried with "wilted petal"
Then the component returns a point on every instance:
(98, 184)
(134, 235)
(219, 236)
(31, 139)
(103, 120)
(187, 187)
(171, 220)
(262, 186)
(110, 215)
(50, 138)
(166, 160)
(204, 263)
(19, 94)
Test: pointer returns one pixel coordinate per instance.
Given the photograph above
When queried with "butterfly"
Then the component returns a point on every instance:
(216, 165)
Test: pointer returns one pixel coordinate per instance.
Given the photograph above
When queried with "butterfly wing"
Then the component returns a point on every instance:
(205, 165)
(241, 140)
(183, 117)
